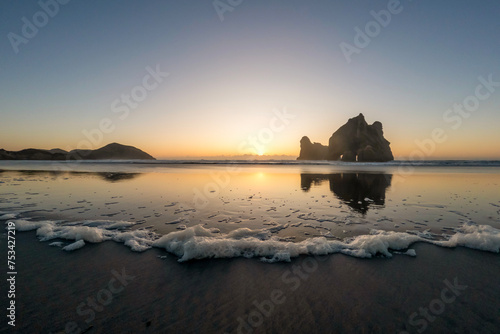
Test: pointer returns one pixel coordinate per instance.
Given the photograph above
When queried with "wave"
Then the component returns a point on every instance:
(198, 242)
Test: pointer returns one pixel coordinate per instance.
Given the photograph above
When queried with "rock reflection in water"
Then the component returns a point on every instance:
(358, 190)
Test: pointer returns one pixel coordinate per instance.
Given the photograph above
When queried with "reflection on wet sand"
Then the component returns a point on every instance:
(116, 177)
(358, 190)
(106, 176)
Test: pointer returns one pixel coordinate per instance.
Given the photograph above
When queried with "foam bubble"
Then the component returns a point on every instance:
(410, 252)
(56, 244)
(8, 216)
(137, 240)
(27, 225)
(90, 234)
(74, 246)
(379, 242)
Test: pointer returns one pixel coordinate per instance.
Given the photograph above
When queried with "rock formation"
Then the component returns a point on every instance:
(310, 151)
(354, 141)
(112, 151)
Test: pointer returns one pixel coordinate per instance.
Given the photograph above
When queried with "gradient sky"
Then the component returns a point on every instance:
(227, 78)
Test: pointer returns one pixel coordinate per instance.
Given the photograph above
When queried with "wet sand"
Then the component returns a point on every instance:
(330, 294)
(298, 202)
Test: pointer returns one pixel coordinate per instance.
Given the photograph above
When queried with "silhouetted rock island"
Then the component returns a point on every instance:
(112, 151)
(354, 141)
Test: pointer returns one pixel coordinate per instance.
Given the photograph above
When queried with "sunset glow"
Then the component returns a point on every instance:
(177, 81)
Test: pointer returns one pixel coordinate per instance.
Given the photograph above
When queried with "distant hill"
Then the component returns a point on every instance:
(112, 151)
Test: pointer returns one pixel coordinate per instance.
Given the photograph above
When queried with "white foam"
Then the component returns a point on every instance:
(137, 240)
(198, 242)
(74, 246)
(482, 237)
(90, 234)
(56, 244)
(379, 242)
(89, 231)
(411, 252)
(8, 216)
(27, 225)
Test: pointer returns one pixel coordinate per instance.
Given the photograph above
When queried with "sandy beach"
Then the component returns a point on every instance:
(331, 294)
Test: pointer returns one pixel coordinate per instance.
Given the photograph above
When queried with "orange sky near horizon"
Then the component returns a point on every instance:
(254, 135)
(455, 147)
(171, 78)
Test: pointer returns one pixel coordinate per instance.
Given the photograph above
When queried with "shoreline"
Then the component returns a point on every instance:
(399, 169)
(199, 243)
(278, 162)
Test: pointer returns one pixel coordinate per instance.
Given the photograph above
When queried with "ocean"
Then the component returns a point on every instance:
(206, 246)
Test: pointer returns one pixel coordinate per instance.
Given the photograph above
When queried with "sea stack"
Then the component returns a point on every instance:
(310, 151)
(354, 141)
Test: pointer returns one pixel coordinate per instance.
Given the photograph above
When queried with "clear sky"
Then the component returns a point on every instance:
(231, 67)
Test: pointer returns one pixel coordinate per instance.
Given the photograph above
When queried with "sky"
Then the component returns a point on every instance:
(233, 77)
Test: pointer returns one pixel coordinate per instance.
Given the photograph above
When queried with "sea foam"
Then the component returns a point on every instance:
(482, 237)
(75, 245)
(198, 242)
